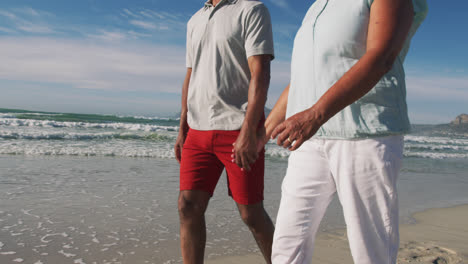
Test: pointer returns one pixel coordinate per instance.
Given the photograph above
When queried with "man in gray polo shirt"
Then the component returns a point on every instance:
(229, 49)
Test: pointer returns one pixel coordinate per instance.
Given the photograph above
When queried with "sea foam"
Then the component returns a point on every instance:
(147, 137)
(14, 122)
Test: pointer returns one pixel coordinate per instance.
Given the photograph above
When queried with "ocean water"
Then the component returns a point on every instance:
(103, 189)
(59, 134)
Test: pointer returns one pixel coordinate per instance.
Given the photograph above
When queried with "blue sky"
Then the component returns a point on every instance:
(127, 57)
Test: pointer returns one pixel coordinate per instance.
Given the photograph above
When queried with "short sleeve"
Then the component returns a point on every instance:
(259, 32)
(420, 11)
(419, 6)
(188, 49)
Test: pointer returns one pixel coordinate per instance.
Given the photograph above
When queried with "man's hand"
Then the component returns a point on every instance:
(247, 147)
(183, 130)
(179, 145)
(245, 150)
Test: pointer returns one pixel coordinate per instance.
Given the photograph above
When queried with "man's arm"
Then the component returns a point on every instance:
(183, 118)
(245, 151)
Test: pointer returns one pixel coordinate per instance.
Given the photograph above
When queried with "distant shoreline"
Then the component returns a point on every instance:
(169, 116)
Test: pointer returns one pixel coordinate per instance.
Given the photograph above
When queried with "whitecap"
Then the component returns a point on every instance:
(14, 122)
(68, 255)
(8, 253)
(433, 155)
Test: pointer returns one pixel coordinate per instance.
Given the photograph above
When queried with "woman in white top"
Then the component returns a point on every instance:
(344, 115)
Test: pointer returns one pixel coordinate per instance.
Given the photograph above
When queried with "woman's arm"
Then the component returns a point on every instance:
(389, 25)
(277, 114)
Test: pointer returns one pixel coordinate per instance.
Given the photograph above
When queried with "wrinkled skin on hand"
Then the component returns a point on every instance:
(297, 129)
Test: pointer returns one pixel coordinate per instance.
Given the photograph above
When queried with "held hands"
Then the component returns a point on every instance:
(247, 147)
(297, 129)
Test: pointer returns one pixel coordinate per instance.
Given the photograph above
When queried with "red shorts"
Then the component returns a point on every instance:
(205, 155)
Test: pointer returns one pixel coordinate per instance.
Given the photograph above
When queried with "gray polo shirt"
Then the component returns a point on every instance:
(219, 41)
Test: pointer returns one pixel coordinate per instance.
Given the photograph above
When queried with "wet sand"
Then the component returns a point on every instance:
(439, 236)
(93, 210)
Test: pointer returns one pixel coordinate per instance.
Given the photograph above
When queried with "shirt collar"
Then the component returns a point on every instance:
(208, 3)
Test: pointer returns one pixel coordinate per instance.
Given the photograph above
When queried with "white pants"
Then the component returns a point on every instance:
(364, 174)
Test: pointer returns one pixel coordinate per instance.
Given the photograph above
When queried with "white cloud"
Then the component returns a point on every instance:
(138, 35)
(129, 13)
(150, 20)
(6, 30)
(281, 3)
(8, 15)
(454, 70)
(285, 7)
(441, 88)
(144, 25)
(110, 36)
(429, 118)
(436, 99)
(29, 11)
(98, 65)
(33, 12)
(28, 20)
(34, 28)
(150, 14)
(93, 65)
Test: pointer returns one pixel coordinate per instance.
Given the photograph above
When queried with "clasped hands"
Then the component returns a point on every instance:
(290, 134)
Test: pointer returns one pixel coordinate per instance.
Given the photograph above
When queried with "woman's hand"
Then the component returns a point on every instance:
(297, 129)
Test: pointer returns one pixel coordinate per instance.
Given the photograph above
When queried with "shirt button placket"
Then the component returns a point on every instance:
(207, 19)
(322, 8)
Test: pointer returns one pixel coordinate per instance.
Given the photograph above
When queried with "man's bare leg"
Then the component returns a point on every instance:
(261, 226)
(192, 207)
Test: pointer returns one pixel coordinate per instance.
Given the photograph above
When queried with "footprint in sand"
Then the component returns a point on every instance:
(426, 253)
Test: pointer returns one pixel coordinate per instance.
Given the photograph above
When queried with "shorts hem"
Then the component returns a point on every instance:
(246, 201)
(195, 189)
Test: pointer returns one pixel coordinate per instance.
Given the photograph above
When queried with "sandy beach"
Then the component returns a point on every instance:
(437, 236)
(72, 209)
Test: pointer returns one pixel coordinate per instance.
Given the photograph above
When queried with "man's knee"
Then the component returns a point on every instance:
(192, 205)
(252, 216)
